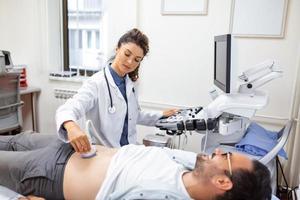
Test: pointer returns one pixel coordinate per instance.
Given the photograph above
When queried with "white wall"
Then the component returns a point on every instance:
(179, 68)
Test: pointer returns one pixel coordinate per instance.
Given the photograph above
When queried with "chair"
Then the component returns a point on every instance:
(283, 135)
(270, 158)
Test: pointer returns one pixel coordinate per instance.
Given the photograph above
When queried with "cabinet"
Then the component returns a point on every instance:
(29, 110)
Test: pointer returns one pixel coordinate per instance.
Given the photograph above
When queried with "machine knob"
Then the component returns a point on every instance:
(198, 110)
(200, 125)
(190, 125)
(211, 123)
(180, 125)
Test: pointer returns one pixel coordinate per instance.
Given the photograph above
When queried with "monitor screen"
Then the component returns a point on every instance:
(222, 55)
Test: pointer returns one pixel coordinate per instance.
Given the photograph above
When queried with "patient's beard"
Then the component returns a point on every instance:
(200, 163)
(205, 168)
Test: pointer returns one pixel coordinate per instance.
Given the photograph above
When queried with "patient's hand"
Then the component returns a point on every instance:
(31, 197)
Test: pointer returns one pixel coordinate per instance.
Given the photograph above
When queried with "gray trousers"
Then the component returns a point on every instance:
(33, 164)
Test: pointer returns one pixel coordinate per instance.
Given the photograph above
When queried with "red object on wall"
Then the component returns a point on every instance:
(23, 75)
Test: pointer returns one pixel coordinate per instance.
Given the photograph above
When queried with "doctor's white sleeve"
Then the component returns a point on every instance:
(76, 107)
(149, 118)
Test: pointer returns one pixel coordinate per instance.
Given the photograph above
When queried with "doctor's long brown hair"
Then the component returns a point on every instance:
(140, 39)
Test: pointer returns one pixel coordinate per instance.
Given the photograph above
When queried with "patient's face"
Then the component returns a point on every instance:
(220, 162)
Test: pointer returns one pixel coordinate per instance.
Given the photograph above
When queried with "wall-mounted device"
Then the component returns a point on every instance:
(5, 61)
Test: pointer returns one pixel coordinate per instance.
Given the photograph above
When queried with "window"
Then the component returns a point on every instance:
(81, 35)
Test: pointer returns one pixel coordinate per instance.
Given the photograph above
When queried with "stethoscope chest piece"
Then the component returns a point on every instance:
(111, 109)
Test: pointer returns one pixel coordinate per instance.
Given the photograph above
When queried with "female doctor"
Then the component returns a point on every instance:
(108, 99)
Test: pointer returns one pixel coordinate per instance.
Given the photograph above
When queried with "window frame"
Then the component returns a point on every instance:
(65, 44)
(66, 56)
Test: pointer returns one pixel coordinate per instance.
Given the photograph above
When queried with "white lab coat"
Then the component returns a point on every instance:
(92, 101)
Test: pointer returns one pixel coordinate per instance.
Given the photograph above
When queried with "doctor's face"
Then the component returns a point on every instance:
(128, 58)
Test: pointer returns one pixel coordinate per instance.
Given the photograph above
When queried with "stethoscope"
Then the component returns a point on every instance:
(111, 108)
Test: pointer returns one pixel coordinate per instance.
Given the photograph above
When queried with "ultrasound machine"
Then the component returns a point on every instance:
(226, 118)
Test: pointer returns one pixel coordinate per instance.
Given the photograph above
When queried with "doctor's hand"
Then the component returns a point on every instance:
(78, 139)
(170, 112)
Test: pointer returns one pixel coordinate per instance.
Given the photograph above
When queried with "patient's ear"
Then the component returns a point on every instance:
(222, 182)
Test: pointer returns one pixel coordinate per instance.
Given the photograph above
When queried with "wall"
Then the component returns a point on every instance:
(179, 68)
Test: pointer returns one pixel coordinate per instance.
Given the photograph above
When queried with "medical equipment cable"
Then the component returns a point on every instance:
(93, 132)
(205, 141)
(179, 140)
(185, 140)
(292, 194)
(206, 131)
(93, 151)
(173, 141)
(288, 193)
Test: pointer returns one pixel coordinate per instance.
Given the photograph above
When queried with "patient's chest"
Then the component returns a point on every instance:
(148, 165)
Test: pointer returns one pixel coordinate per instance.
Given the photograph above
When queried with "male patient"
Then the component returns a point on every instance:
(130, 172)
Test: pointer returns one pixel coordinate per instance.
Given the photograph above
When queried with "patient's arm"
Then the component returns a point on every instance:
(6, 193)
(26, 141)
(30, 197)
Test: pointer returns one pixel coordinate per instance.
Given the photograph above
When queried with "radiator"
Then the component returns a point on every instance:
(63, 94)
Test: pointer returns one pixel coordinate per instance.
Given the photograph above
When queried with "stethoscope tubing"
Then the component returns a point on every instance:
(111, 108)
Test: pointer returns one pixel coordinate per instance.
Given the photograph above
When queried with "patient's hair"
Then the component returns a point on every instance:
(140, 39)
(250, 185)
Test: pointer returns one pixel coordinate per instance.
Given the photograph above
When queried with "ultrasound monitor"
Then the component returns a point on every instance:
(222, 62)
